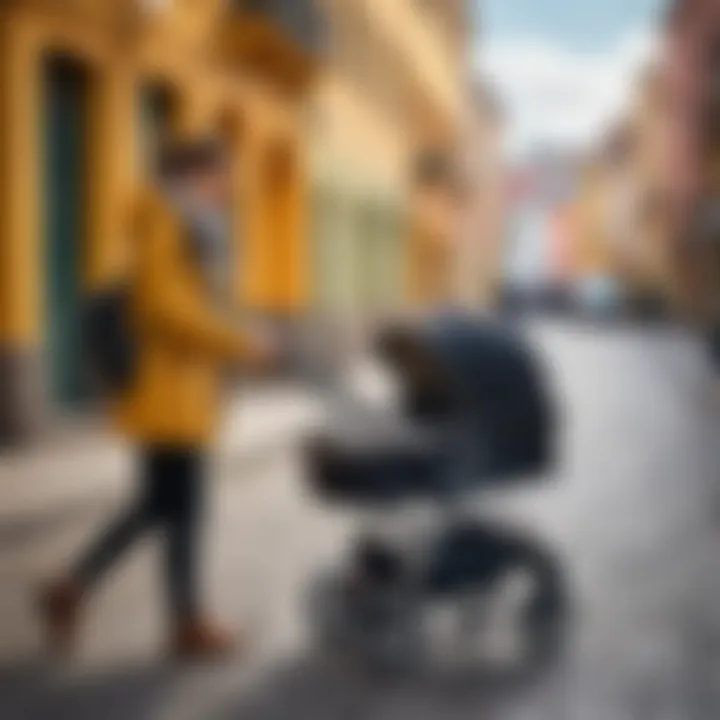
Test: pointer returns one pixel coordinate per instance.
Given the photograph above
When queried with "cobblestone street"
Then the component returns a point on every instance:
(633, 514)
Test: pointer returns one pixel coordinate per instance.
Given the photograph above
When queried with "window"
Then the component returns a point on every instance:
(158, 105)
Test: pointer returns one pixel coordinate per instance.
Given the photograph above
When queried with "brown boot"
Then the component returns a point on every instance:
(197, 639)
(60, 610)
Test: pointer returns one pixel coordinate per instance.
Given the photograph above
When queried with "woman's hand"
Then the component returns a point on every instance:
(265, 352)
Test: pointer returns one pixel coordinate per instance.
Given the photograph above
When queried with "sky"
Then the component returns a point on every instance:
(563, 69)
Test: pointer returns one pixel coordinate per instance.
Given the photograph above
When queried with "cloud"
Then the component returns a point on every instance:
(555, 96)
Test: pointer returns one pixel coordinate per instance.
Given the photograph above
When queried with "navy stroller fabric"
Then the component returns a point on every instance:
(477, 411)
(494, 387)
(366, 455)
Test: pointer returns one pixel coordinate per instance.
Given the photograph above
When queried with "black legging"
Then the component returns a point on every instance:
(171, 498)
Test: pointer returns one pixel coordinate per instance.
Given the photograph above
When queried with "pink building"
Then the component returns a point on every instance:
(692, 76)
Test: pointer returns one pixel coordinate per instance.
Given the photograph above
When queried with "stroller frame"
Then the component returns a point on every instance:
(377, 603)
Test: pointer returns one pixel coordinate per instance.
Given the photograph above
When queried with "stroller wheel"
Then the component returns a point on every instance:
(542, 616)
(329, 612)
(474, 559)
(382, 631)
(546, 617)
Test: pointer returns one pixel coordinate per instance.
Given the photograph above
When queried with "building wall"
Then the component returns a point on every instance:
(650, 251)
(392, 87)
(618, 203)
(480, 256)
(359, 156)
(323, 171)
(122, 51)
(692, 31)
(626, 193)
(437, 240)
(594, 255)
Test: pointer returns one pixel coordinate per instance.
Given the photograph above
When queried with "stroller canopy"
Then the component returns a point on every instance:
(476, 411)
(481, 375)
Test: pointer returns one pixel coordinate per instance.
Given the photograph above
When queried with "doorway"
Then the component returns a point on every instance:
(279, 272)
(65, 129)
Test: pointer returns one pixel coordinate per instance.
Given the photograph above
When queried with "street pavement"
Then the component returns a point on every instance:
(82, 460)
(632, 514)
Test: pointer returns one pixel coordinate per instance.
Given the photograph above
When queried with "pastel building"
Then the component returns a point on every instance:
(692, 73)
(325, 104)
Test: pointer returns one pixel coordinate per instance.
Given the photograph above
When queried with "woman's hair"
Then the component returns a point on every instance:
(179, 159)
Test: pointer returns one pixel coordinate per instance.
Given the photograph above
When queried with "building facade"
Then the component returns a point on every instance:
(481, 241)
(87, 89)
(595, 257)
(324, 104)
(648, 172)
(388, 101)
(621, 225)
(625, 197)
(691, 66)
(439, 144)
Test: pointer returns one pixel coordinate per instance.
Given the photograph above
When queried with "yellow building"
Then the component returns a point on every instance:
(608, 217)
(625, 219)
(652, 272)
(635, 166)
(325, 104)
(593, 252)
(391, 94)
(87, 87)
(439, 148)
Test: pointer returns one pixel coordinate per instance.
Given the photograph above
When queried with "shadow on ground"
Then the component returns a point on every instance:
(319, 688)
(35, 691)
(311, 687)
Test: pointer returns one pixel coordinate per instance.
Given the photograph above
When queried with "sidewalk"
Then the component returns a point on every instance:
(89, 465)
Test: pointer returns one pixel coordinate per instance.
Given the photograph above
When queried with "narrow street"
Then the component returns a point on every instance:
(633, 514)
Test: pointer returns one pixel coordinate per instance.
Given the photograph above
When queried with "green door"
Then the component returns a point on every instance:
(381, 277)
(65, 94)
(334, 252)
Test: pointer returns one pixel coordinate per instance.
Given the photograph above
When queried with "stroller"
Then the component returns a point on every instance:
(474, 413)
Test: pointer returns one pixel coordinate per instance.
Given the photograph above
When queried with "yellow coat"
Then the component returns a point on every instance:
(184, 342)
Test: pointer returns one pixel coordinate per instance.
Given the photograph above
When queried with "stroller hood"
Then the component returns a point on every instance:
(480, 374)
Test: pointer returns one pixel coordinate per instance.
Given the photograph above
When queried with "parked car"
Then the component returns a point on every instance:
(598, 297)
(543, 297)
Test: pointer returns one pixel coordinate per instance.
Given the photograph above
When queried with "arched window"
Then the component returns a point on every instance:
(158, 107)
